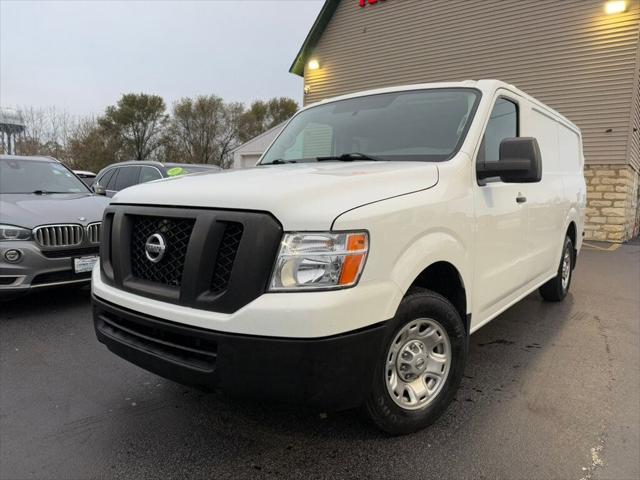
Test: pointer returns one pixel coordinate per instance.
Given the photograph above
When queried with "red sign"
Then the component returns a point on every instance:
(370, 2)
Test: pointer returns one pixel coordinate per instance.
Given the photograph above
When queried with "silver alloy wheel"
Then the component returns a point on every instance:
(566, 269)
(418, 363)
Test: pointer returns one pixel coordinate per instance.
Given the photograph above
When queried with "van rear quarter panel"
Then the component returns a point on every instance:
(575, 189)
(547, 206)
(561, 194)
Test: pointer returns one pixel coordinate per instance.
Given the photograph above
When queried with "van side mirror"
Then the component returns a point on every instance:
(99, 189)
(519, 162)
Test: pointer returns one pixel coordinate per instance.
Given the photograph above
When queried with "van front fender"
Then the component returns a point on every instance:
(433, 247)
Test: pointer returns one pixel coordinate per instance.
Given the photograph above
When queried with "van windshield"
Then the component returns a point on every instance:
(418, 125)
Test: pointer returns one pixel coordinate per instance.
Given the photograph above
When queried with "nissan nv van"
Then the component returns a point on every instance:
(350, 266)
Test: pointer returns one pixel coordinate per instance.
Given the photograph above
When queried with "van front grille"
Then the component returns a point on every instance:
(226, 256)
(176, 232)
(58, 235)
(210, 259)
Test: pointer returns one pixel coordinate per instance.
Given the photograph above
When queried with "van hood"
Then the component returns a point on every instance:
(304, 196)
(29, 210)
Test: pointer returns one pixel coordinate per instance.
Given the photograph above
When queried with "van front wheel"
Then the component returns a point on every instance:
(557, 288)
(422, 363)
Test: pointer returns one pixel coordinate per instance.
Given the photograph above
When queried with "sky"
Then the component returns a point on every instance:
(80, 56)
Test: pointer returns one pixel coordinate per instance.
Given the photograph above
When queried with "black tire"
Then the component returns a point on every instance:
(554, 290)
(381, 408)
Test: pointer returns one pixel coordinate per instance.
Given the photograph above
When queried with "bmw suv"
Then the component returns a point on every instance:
(49, 225)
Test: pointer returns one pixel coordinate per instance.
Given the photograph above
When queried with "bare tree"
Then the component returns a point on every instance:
(196, 125)
(261, 116)
(90, 147)
(203, 130)
(230, 137)
(47, 132)
(137, 123)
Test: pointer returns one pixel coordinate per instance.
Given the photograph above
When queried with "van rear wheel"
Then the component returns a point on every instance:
(557, 288)
(421, 366)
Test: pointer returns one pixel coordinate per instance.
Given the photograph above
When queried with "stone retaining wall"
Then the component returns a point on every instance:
(612, 203)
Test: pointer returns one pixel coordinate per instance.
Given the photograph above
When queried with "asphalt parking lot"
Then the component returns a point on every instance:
(550, 391)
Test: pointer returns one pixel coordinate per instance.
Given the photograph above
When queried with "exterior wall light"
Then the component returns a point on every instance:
(615, 6)
(313, 64)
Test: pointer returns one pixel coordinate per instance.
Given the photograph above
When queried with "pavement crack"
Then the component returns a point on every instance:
(497, 342)
(596, 460)
(598, 450)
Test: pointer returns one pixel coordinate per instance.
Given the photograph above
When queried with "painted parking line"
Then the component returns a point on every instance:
(611, 248)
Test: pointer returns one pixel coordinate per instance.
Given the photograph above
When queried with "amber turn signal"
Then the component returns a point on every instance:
(353, 264)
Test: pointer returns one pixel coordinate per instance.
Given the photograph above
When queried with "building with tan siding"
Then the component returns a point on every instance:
(572, 55)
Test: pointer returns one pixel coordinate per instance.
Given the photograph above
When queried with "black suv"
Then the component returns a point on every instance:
(117, 176)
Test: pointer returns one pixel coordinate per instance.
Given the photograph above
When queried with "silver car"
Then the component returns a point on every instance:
(49, 225)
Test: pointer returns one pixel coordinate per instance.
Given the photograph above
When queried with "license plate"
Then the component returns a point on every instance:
(84, 264)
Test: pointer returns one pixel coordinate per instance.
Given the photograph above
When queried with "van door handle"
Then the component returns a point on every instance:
(521, 199)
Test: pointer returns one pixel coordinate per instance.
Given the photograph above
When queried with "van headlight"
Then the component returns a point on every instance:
(309, 261)
(11, 232)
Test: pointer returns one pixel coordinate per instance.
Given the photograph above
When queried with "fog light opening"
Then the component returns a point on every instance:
(13, 255)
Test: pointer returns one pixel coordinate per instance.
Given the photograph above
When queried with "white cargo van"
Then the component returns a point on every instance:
(350, 266)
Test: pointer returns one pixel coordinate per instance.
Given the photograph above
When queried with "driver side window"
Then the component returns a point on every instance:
(503, 123)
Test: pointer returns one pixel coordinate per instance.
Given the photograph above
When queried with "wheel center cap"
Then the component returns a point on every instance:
(412, 360)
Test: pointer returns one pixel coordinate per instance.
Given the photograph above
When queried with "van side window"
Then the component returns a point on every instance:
(503, 123)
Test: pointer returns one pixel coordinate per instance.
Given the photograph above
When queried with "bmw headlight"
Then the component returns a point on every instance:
(308, 261)
(11, 232)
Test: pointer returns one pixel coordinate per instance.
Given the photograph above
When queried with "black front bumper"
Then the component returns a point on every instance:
(331, 373)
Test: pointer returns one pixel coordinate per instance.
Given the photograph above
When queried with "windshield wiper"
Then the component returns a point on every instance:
(45, 192)
(280, 161)
(350, 157)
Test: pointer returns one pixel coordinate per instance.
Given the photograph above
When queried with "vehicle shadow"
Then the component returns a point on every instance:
(42, 301)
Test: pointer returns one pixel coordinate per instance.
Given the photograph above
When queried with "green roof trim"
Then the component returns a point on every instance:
(313, 36)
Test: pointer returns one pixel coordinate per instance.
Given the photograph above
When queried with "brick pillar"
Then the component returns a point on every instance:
(612, 203)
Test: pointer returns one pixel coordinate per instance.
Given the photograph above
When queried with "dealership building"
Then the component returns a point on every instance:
(579, 57)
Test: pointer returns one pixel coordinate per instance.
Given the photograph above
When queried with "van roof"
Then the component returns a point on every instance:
(484, 85)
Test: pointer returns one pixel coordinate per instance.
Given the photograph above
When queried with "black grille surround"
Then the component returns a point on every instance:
(168, 270)
(216, 260)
